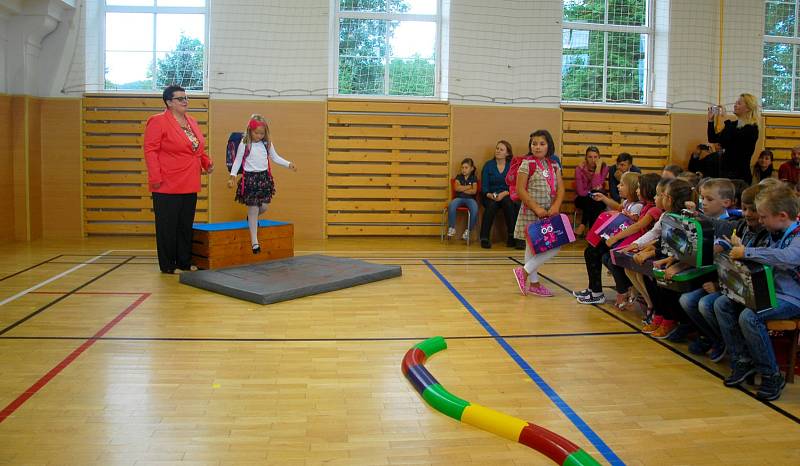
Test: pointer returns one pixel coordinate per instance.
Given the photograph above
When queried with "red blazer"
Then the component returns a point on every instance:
(169, 155)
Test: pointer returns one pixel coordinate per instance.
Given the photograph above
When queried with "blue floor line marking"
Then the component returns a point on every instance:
(587, 431)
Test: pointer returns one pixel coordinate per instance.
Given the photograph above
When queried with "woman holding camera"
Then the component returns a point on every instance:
(590, 177)
(738, 138)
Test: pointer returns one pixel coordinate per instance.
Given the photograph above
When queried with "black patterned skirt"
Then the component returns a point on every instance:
(255, 188)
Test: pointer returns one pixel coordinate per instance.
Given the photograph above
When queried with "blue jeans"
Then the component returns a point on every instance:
(745, 332)
(691, 302)
(467, 202)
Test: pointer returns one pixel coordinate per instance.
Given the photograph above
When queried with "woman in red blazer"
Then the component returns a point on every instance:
(174, 150)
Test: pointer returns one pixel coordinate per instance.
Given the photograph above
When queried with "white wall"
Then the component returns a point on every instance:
(3, 48)
(500, 51)
(278, 45)
(505, 51)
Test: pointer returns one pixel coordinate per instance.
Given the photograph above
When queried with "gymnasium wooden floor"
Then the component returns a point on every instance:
(105, 361)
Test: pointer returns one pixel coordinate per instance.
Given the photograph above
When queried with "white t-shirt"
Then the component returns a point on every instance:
(257, 158)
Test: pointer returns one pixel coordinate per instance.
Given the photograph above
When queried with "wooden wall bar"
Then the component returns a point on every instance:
(643, 134)
(75, 166)
(116, 197)
(781, 134)
(7, 138)
(387, 169)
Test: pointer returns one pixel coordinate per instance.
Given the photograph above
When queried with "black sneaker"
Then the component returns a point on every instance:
(771, 387)
(485, 244)
(520, 244)
(700, 346)
(680, 333)
(741, 371)
(582, 293)
(592, 299)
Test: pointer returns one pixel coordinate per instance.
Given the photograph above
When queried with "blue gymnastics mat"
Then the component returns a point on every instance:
(290, 278)
(222, 226)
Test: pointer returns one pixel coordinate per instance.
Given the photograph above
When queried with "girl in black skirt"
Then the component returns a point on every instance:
(256, 186)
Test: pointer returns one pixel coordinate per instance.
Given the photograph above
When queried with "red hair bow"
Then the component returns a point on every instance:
(253, 124)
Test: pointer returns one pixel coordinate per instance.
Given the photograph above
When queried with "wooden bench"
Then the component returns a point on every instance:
(793, 328)
(216, 245)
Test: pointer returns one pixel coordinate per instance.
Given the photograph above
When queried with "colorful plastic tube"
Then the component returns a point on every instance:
(550, 444)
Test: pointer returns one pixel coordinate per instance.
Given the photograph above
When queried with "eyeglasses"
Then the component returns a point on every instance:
(181, 99)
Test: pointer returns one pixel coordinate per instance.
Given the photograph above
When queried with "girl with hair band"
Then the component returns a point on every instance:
(256, 186)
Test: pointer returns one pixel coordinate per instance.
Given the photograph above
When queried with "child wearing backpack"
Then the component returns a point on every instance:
(541, 190)
(256, 185)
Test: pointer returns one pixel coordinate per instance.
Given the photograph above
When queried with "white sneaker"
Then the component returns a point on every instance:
(451, 232)
(465, 236)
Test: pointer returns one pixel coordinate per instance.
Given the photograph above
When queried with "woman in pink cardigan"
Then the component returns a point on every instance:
(590, 177)
(175, 153)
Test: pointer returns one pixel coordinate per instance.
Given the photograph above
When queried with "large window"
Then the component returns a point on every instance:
(150, 44)
(387, 47)
(780, 74)
(606, 51)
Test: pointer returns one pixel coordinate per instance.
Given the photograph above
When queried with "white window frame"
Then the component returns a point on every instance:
(154, 10)
(648, 30)
(794, 41)
(333, 81)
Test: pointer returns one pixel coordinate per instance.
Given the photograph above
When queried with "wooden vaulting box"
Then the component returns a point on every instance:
(115, 195)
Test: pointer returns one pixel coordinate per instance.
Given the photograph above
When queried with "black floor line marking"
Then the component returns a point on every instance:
(57, 300)
(30, 268)
(311, 340)
(681, 354)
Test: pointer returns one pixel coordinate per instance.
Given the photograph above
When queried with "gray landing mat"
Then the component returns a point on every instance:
(284, 279)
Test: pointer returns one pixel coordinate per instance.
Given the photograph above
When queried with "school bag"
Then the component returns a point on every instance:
(549, 233)
(233, 146)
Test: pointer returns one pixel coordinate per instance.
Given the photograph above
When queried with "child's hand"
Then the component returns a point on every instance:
(633, 247)
(663, 263)
(737, 252)
(541, 213)
(690, 205)
(672, 271)
(610, 242)
(710, 287)
(599, 197)
(231, 181)
(641, 257)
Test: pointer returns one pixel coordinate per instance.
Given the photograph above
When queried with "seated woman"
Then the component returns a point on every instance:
(495, 194)
(590, 177)
(763, 169)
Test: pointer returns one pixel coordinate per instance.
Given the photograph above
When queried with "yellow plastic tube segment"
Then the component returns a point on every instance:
(493, 421)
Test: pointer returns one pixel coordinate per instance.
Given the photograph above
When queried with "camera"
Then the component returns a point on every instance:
(704, 147)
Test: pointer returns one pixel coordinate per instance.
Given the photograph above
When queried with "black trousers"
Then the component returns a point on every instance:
(490, 208)
(591, 209)
(595, 257)
(174, 217)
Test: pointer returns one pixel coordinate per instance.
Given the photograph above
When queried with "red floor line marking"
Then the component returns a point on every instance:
(122, 293)
(39, 384)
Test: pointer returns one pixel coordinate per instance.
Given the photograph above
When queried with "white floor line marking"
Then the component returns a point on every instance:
(52, 279)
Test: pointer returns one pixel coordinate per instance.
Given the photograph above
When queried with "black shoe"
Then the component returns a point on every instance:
(519, 244)
(256, 249)
(771, 387)
(485, 244)
(741, 371)
(511, 243)
(679, 335)
(169, 271)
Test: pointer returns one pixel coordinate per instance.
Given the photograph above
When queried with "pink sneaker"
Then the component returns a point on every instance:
(519, 274)
(540, 290)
